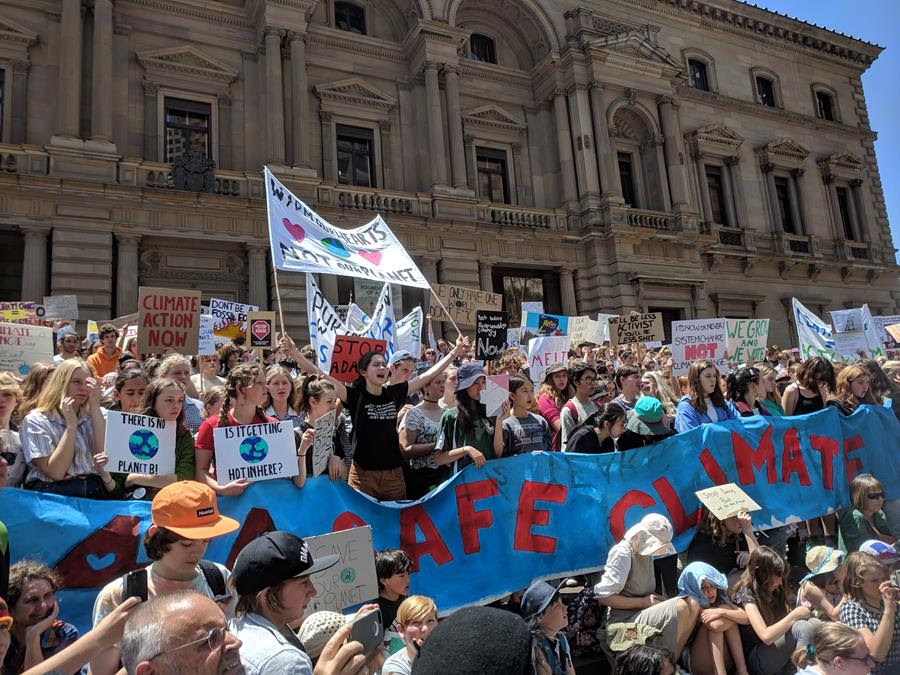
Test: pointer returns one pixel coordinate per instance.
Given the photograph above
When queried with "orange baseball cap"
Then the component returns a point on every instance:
(189, 509)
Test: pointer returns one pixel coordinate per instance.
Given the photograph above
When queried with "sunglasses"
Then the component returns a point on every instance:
(871, 495)
(9, 457)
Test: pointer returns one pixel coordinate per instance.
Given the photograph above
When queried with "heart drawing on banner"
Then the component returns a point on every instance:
(373, 257)
(295, 230)
(100, 562)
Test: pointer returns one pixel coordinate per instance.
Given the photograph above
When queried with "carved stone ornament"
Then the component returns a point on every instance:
(194, 172)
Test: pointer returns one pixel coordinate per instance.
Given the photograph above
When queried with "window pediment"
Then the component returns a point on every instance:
(492, 116)
(354, 92)
(782, 152)
(186, 64)
(15, 39)
(842, 164)
(634, 52)
(716, 139)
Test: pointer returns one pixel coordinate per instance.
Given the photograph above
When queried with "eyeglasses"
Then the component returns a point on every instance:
(875, 495)
(867, 659)
(214, 639)
(10, 457)
(589, 380)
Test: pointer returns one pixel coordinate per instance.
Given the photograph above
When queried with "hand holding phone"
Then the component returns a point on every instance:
(135, 585)
(367, 629)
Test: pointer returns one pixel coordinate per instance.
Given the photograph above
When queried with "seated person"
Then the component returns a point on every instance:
(645, 425)
(820, 590)
(865, 520)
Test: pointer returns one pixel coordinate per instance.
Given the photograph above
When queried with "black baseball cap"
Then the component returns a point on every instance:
(275, 557)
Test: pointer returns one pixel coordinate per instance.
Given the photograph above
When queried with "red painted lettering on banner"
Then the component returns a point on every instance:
(680, 521)
(347, 521)
(117, 542)
(792, 459)
(527, 516)
(828, 449)
(470, 520)
(852, 465)
(620, 508)
(257, 522)
(712, 468)
(747, 459)
(433, 545)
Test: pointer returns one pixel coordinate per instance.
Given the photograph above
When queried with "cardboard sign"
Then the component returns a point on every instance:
(323, 447)
(353, 580)
(490, 334)
(23, 312)
(625, 330)
(231, 318)
(532, 308)
(462, 303)
(747, 339)
(851, 345)
(207, 342)
(140, 444)
(894, 331)
(495, 394)
(347, 351)
(535, 324)
(256, 452)
(583, 329)
(261, 329)
(63, 307)
(543, 352)
(846, 320)
(725, 501)
(882, 324)
(698, 339)
(22, 345)
(168, 319)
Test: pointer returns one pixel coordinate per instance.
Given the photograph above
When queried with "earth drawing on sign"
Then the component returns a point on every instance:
(143, 444)
(253, 449)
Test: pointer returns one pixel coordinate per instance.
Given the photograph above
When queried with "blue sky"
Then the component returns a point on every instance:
(874, 21)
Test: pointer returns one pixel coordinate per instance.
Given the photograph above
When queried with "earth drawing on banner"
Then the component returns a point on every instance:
(253, 449)
(143, 444)
(331, 245)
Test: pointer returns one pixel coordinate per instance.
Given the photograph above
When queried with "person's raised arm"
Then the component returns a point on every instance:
(498, 430)
(425, 378)
(57, 463)
(879, 642)
(746, 523)
(305, 445)
(287, 345)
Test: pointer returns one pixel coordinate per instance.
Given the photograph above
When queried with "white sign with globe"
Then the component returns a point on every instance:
(140, 444)
(255, 452)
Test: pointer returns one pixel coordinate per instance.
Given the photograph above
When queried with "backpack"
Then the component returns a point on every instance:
(214, 578)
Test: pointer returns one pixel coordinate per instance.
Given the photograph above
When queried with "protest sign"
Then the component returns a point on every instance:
(93, 331)
(231, 318)
(382, 325)
(324, 324)
(261, 330)
(17, 312)
(533, 307)
(461, 303)
(353, 580)
(255, 451)
(747, 339)
(814, 335)
(168, 319)
(206, 344)
(62, 307)
(495, 394)
(409, 333)
(698, 339)
(725, 501)
(881, 327)
(874, 339)
(23, 345)
(603, 319)
(583, 329)
(624, 330)
(894, 331)
(545, 351)
(323, 446)
(851, 345)
(302, 241)
(490, 334)
(529, 510)
(357, 319)
(139, 444)
(513, 337)
(534, 325)
(347, 351)
(846, 320)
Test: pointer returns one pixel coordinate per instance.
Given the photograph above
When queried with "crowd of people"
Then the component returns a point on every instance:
(402, 428)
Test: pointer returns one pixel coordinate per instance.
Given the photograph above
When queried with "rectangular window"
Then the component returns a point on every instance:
(187, 126)
(825, 105)
(783, 195)
(355, 156)
(493, 183)
(699, 76)
(843, 204)
(518, 287)
(717, 194)
(765, 91)
(481, 48)
(626, 176)
(669, 314)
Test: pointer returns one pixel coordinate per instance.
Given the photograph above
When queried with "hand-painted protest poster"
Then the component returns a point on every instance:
(324, 324)
(532, 307)
(302, 241)
(725, 501)
(382, 326)
(846, 320)
(697, 339)
(462, 303)
(168, 319)
(534, 325)
(255, 452)
(881, 327)
(261, 330)
(353, 580)
(603, 319)
(409, 333)
(583, 329)
(93, 330)
(490, 334)
(524, 514)
(348, 349)
(625, 330)
(61, 307)
(851, 345)
(17, 312)
(23, 345)
(495, 394)
(231, 318)
(139, 444)
(747, 339)
(206, 344)
(544, 352)
(893, 331)
(323, 446)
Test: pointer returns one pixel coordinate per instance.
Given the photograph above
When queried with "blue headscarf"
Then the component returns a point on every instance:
(693, 575)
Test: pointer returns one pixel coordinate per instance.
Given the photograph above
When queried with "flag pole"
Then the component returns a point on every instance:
(445, 309)
(278, 298)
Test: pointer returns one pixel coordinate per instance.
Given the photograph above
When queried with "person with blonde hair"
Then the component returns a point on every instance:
(872, 610)
(10, 400)
(32, 386)
(207, 376)
(213, 401)
(852, 389)
(654, 384)
(416, 618)
(62, 438)
(768, 390)
(281, 401)
(836, 649)
(865, 520)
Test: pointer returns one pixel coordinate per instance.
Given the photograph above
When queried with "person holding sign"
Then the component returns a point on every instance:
(178, 368)
(704, 402)
(377, 468)
(62, 438)
(318, 397)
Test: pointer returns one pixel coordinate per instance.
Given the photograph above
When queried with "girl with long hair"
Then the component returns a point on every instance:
(835, 649)
(866, 519)
(523, 430)
(768, 392)
(813, 387)
(872, 610)
(555, 391)
(724, 544)
(178, 367)
(317, 397)
(281, 401)
(704, 402)
(742, 389)
(851, 389)
(10, 400)
(32, 386)
(598, 433)
(547, 617)
(820, 590)
(213, 401)
(418, 432)
(465, 433)
(884, 391)
(128, 391)
(654, 384)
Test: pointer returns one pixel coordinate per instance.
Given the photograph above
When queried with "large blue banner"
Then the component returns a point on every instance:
(493, 530)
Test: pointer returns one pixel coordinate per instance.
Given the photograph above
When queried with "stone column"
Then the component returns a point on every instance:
(831, 189)
(568, 186)
(224, 160)
(567, 292)
(705, 201)
(257, 275)
(728, 186)
(856, 198)
(854, 217)
(151, 121)
(299, 99)
(101, 88)
(68, 98)
(769, 174)
(794, 193)
(674, 150)
(428, 267)
(610, 181)
(797, 175)
(519, 196)
(435, 127)
(485, 270)
(732, 166)
(656, 145)
(34, 269)
(387, 174)
(19, 116)
(126, 273)
(585, 156)
(274, 96)
(328, 148)
(454, 126)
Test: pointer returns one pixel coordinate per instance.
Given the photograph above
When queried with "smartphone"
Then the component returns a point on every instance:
(368, 630)
(136, 585)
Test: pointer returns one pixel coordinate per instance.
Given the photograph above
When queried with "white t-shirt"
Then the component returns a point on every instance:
(711, 411)
(397, 663)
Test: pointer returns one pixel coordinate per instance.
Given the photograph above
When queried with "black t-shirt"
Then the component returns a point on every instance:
(631, 439)
(375, 439)
(389, 611)
(720, 555)
(584, 440)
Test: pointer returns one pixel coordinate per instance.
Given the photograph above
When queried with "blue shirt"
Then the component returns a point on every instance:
(687, 417)
(192, 417)
(267, 650)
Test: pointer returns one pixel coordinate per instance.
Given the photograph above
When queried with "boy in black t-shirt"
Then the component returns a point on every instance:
(392, 566)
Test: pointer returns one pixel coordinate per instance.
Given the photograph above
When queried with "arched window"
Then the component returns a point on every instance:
(350, 17)
(698, 74)
(825, 103)
(481, 48)
(701, 69)
(766, 88)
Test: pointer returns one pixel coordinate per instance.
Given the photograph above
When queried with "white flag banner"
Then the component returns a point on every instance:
(382, 326)
(814, 335)
(409, 333)
(302, 241)
(873, 335)
(324, 324)
(357, 319)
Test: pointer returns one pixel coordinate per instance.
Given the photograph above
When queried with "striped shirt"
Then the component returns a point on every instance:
(40, 435)
(192, 417)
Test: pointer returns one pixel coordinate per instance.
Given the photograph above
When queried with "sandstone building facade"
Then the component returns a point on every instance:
(697, 158)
